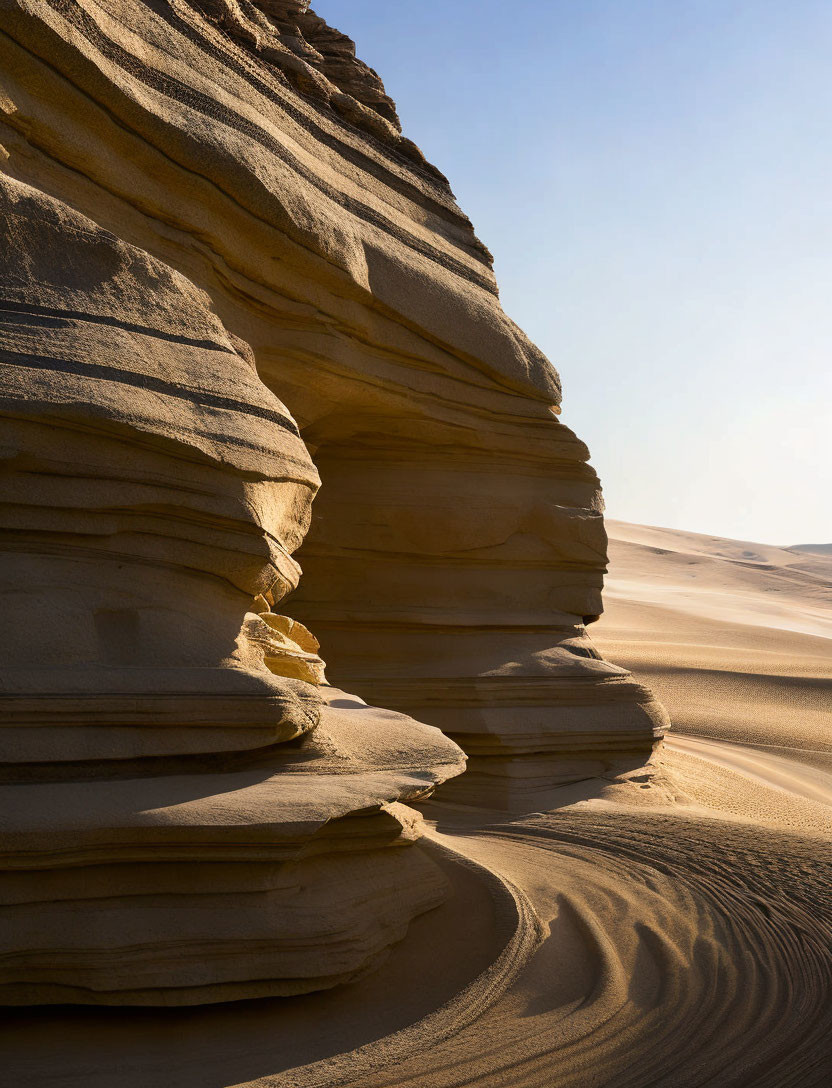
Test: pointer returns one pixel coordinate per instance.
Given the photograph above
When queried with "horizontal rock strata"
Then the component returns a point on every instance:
(186, 814)
(458, 520)
(292, 875)
(454, 585)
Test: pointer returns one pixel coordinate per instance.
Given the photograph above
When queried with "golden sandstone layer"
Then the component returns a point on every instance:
(227, 280)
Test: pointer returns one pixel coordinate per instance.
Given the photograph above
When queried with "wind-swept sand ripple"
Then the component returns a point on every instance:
(681, 952)
(649, 949)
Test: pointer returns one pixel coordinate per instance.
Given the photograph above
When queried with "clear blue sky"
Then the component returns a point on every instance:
(655, 181)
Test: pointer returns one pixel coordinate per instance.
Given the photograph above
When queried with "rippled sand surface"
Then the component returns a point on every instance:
(676, 951)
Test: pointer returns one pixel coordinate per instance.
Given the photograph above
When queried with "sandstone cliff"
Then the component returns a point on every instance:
(224, 262)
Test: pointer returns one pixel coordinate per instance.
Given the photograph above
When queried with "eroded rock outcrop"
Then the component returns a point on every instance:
(162, 841)
(211, 206)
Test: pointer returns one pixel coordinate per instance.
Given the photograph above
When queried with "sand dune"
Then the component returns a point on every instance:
(669, 928)
(818, 549)
(735, 637)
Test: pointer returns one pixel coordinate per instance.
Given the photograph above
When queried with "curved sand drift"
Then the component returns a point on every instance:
(669, 930)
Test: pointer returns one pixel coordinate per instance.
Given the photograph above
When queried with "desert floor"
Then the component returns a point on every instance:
(671, 929)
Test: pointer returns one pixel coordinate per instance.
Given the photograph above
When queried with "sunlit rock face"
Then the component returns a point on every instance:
(224, 262)
(151, 487)
(187, 814)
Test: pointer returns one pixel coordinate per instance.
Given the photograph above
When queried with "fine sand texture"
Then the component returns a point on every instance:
(668, 927)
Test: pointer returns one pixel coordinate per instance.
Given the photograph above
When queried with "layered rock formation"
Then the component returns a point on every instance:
(292, 873)
(162, 840)
(210, 206)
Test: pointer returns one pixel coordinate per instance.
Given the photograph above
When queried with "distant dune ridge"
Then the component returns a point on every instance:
(818, 549)
(735, 636)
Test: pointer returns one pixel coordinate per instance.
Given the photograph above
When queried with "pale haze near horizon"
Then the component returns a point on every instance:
(654, 182)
